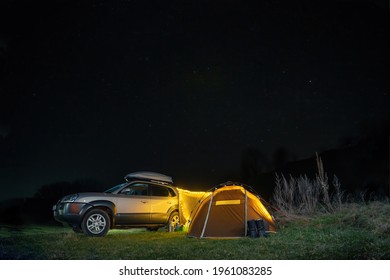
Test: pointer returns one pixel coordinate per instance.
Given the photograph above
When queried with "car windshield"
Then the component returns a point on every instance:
(113, 189)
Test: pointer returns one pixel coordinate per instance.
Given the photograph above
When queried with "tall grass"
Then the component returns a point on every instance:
(342, 227)
(302, 195)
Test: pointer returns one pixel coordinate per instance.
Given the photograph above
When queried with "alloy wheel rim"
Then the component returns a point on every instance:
(96, 223)
(174, 221)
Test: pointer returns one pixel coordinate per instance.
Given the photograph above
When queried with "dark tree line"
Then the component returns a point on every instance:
(38, 209)
(362, 163)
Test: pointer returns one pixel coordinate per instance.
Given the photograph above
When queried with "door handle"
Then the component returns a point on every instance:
(144, 201)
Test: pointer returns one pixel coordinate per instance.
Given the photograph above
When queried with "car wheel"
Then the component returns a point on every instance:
(173, 221)
(96, 223)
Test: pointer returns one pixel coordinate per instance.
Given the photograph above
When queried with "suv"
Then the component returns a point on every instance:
(146, 199)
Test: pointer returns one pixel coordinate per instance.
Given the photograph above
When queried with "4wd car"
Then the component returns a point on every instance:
(146, 199)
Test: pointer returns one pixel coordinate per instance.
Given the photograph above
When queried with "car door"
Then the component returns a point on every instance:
(163, 200)
(133, 205)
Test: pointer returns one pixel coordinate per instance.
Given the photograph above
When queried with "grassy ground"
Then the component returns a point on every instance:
(353, 232)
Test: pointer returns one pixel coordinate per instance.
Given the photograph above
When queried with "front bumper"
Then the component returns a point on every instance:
(71, 213)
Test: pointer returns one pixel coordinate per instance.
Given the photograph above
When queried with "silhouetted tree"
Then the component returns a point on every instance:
(57, 190)
(280, 157)
(38, 209)
(374, 136)
(253, 163)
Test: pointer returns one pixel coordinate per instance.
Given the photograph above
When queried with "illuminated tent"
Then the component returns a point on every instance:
(188, 200)
(225, 212)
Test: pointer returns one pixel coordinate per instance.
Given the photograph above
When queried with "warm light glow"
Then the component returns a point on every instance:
(188, 201)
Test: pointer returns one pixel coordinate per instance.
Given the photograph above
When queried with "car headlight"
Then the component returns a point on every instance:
(70, 198)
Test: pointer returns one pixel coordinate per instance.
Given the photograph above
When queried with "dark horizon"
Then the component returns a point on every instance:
(260, 172)
(96, 90)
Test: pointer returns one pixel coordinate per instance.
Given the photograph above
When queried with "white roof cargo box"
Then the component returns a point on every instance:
(146, 175)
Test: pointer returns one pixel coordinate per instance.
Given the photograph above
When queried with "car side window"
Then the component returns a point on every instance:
(135, 189)
(172, 192)
(159, 191)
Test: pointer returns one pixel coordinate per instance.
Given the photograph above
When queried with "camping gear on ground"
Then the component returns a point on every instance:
(225, 212)
(258, 228)
(252, 230)
(262, 228)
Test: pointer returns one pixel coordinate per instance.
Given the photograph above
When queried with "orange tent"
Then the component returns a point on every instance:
(225, 212)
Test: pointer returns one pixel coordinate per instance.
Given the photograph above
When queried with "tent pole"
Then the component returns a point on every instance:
(207, 217)
(246, 214)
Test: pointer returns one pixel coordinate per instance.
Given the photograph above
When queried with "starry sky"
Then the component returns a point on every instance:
(96, 89)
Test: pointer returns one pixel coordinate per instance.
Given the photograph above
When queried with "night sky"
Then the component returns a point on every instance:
(98, 89)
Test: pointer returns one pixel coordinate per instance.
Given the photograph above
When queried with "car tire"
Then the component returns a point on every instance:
(96, 223)
(174, 220)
